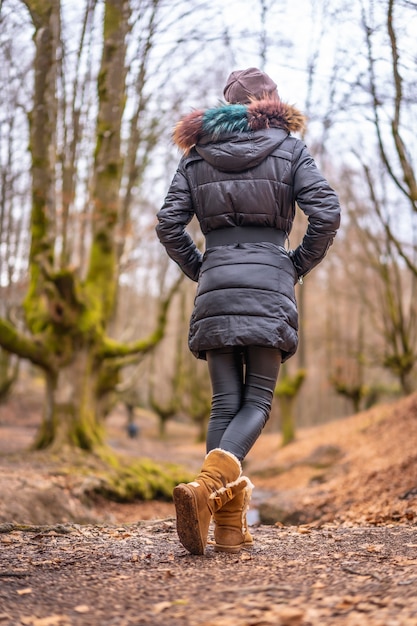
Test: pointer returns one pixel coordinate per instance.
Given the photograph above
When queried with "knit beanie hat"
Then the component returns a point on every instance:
(242, 85)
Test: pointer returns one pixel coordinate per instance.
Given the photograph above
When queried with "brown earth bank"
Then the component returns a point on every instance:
(340, 546)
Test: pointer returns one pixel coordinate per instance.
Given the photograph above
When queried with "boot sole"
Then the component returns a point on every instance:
(230, 549)
(218, 547)
(188, 527)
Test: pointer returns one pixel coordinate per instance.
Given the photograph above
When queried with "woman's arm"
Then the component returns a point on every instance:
(176, 212)
(320, 203)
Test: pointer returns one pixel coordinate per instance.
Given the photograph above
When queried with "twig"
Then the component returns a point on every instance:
(62, 529)
(349, 570)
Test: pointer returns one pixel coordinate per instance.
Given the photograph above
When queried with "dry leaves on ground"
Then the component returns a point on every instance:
(139, 574)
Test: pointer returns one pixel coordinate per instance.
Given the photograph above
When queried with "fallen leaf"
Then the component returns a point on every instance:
(318, 585)
(82, 608)
(404, 561)
(23, 592)
(161, 606)
(290, 616)
(373, 547)
(52, 620)
(180, 601)
(365, 607)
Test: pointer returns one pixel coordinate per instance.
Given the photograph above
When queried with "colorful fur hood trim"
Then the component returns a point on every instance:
(211, 124)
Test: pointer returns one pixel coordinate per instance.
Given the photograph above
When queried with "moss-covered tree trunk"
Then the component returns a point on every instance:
(72, 315)
(70, 415)
(67, 316)
(286, 391)
(286, 405)
(42, 123)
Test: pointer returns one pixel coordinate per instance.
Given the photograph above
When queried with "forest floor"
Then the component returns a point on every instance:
(344, 550)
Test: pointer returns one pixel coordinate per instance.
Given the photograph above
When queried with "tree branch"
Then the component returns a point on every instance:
(376, 104)
(384, 222)
(114, 349)
(406, 167)
(21, 345)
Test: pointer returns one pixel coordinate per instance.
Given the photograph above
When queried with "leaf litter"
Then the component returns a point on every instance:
(351, 560)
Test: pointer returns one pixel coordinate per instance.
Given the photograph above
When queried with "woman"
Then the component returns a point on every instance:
(241, 174)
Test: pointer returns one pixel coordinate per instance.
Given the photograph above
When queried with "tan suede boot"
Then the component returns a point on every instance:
(231, 532)
(195, 502)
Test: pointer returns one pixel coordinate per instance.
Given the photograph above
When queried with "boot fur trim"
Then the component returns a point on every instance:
(222, 490)
(249, 488)
(249, 483)
(232, 456)
(219, 492)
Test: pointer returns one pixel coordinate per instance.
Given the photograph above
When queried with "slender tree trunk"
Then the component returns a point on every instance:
(102, 276)
(42, 123)
(286, 404)
(286, 391)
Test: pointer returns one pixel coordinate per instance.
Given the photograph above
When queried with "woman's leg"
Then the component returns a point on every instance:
(226, 373)
(240, 408)
(262, 367)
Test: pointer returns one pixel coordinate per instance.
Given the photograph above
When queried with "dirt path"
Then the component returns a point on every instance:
(139, 574)
(354, 565)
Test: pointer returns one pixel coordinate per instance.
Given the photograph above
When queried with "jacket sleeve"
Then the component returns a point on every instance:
(320, 203)
(176, 212)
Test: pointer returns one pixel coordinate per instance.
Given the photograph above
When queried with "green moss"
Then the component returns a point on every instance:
(140, 480)
(36, 307)
(45, 435)
(72, 426)
(112, 20)
(289, 386)
(100, 286)
(112, 476)
(87, 437)
(113, 170)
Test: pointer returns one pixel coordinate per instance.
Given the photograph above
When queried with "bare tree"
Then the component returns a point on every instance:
(391, 302)
(390, 181)
(67, 316)
(391, 115)
(14, 194)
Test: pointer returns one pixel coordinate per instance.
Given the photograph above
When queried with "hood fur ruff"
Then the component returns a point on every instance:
(211, 124)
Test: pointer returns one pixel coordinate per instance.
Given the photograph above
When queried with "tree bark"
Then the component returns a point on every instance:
(102, 277)
(42, 124)
(286, 391)
(66, 317)
(70, 412)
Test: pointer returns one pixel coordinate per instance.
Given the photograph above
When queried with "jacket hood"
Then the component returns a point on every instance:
(240, 151)
(232, 137)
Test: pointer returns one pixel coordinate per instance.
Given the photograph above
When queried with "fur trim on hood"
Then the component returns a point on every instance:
(236, 118)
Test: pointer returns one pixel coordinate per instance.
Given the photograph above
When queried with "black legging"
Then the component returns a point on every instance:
(243, 381)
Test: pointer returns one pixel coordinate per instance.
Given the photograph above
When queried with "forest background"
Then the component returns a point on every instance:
(91, 309)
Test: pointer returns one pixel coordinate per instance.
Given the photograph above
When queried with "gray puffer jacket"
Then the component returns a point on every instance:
(241, 167)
